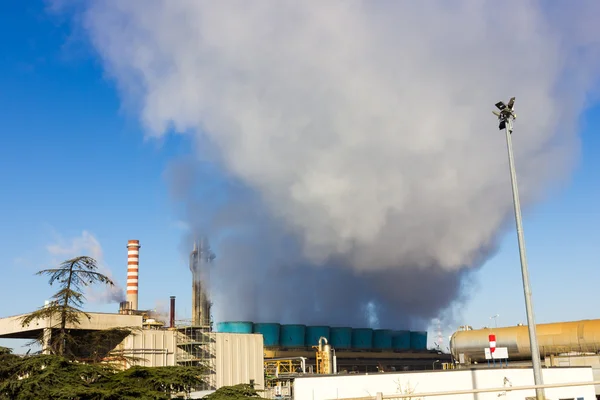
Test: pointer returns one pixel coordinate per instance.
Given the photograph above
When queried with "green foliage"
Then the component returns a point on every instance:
(237, 392)
(54, 377)
(65, 307)
(5, 350)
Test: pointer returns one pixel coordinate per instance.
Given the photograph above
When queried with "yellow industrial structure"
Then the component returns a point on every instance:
(325, 358)
(562, 338)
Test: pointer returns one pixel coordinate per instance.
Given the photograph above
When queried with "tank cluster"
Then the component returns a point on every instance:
(301, 336)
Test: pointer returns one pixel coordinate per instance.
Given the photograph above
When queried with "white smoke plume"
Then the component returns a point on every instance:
(87, 244)
(364, 163)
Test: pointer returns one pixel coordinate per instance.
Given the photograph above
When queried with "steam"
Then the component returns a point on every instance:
(161, 311)
(352, 143)
(87, 244)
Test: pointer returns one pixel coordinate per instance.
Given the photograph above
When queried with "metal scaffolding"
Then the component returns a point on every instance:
(196, 348)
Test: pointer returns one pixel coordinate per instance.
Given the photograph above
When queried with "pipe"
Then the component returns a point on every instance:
(302, 361)
(474, 391)
(133, 252)
(322, 338)
(326, 351)
(334, 361)
(172, 313)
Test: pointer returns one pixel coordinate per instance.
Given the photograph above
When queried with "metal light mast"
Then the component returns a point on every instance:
(506, 116)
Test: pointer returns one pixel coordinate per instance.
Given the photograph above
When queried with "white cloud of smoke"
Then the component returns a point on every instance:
(87, 245)
(360, 133)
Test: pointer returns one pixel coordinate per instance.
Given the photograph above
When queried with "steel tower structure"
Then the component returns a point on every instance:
(200, 259)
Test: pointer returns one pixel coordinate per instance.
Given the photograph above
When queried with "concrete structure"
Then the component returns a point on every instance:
(577, 361)
(133, 263)
(417, 383)
(10, 327)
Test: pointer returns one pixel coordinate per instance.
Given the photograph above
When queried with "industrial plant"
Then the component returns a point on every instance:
(284, 359)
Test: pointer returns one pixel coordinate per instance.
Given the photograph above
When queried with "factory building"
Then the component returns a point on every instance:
(230, 358)
(357, 350)
(311, 362)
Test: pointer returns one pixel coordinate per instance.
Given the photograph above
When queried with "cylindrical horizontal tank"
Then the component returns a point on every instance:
(270, 332)
(362, 338)
(401, 340)
(313, 333)
(382, 339)
(340, 338)
(235, 327)
(418, 340)
(553, 339)
(292, 335)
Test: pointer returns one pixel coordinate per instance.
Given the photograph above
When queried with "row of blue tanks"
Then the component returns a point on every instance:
(297, 336)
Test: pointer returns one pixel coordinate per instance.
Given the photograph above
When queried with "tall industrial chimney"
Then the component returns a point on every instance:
(172, 313)
(133, 262)
(200, 260)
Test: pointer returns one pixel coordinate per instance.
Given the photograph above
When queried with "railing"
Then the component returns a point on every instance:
(381, 396)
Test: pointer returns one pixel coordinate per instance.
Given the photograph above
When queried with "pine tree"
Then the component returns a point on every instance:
(65, 307)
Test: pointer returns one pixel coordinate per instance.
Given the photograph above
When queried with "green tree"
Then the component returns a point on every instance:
(65, 307)
(54, 377)
(237, 392)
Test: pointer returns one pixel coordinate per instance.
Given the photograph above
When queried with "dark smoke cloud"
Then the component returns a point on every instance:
(261, 274)
(358, 159)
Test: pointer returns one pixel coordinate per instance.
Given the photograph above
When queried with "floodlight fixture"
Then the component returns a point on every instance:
(506, 114)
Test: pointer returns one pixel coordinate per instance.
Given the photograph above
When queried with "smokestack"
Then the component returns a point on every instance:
(200, 258)
(132, 273)
(172, 313)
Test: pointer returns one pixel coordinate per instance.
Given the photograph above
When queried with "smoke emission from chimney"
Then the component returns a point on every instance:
(348, 154)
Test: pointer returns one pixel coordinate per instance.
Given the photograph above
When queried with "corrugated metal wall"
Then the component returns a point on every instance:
(239, 359)
(156, 348)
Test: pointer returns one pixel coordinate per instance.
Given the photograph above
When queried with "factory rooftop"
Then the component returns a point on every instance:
(11, 327)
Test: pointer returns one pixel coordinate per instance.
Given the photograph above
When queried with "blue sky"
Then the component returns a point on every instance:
(71, 161)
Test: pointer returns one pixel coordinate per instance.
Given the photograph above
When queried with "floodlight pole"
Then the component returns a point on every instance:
(535, 351)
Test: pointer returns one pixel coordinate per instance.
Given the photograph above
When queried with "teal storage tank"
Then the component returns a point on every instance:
(382, 339)
(313, 333)
(340, 338)
(401, 340)
(292, 335)
(362, 338)
(270, 333)
(235, 327)
(418, 340)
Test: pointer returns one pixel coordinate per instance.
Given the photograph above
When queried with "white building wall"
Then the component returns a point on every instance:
(348, 386)
(154, 348)
(239, 359)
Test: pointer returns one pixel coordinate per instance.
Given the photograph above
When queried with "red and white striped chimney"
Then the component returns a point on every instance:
(133, 262)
